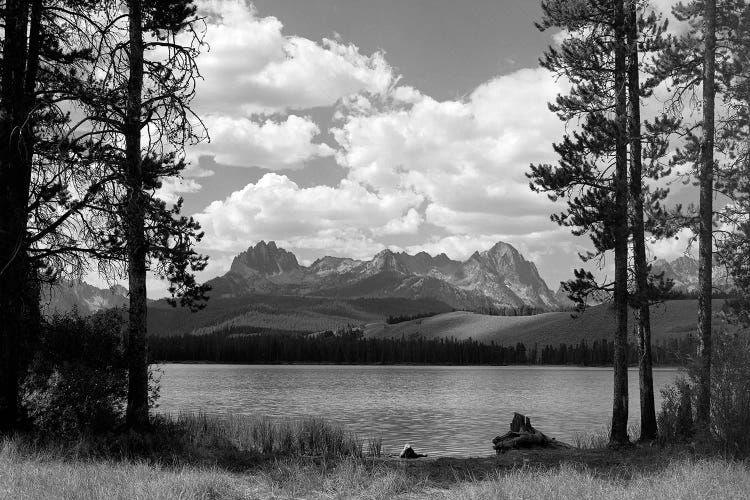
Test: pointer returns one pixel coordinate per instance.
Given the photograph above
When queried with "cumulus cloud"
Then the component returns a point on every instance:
(253, 67)
(408, 224)
(415, 167)
(272, 144)
(318, 217)
(173, 187)
(467, 158)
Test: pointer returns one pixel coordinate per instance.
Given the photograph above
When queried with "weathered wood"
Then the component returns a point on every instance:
(523, 435)
(408, 452)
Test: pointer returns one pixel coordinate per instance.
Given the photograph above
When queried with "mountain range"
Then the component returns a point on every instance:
(86, 298)
(683, 271)
(267, 290)
(497, 278)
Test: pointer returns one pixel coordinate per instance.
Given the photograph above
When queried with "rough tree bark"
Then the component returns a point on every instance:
(645, 373)
(523, 435)
(619, 429)
(136, 414)
(20, 61)
(705, 231)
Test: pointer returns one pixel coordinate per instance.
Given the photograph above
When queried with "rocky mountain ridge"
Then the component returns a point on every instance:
(499, 277)
(86, 298)
(683, 271)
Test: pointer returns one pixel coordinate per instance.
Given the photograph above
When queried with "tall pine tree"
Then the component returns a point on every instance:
(146, 93)
(592, 174)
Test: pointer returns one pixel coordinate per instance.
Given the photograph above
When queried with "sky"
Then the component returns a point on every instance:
(343, 127)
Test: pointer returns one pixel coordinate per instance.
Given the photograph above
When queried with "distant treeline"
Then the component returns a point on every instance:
(236, 346)
(524, 310)
(392, 320)
(686, 295)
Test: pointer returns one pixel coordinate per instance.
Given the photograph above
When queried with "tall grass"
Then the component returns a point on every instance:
(599, 438)
(41, 475)
(282, 438)
(686, 480)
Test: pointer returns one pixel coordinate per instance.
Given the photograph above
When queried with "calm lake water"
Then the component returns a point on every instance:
(440, 410)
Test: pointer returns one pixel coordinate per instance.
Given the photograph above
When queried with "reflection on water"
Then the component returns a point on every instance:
(440, 410)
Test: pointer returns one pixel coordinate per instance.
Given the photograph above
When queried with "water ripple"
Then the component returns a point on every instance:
(440, 410)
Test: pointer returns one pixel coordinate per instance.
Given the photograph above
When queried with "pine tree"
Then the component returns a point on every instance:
(705, 209)
(689, 63)
(146, 91)
(645, 34)
(44, 47)
(592, 173)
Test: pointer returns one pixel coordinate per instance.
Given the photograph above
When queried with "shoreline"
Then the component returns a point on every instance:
(492, 365)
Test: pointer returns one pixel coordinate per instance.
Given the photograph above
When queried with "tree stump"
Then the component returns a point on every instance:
(523, 435)
(408, 452)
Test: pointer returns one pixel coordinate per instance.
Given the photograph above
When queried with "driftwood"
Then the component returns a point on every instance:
(523, 435)
(408, 452)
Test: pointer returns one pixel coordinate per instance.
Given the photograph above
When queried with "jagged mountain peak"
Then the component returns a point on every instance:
(502, 247)
(386, 260)
(505, 275)
(685, 265)
(264, 259)
(331, 265)
(499, 277)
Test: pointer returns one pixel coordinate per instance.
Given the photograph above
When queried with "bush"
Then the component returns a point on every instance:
(77, 380)
(730, 393)
(675, 421)
(730, 398)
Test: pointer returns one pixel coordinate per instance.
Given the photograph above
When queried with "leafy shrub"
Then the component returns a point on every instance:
(77, 381)
(730, 393)
(675, 421)
(730, 398)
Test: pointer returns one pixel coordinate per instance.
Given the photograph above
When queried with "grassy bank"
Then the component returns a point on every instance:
(198, 456)
(39, 475)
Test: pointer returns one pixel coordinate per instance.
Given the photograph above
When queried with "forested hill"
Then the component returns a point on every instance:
(284, 313)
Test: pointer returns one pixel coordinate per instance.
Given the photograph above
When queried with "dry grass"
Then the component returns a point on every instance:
(311, 458)
(280, 438)
(599, 438)
(26, 474)
(699, 480)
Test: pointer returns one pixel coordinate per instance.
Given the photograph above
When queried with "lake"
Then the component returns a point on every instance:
(439, 410)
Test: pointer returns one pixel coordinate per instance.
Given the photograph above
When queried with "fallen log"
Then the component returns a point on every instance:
(523, 435)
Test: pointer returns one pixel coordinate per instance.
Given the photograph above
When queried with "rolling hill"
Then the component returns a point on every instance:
(673, 319)
(283, 313)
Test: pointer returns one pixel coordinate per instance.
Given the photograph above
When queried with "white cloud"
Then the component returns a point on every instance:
(408, 224)
(467, 158)
(319, 217)
(671, 248)
(272, 144)
(174, 187)
(252, 67)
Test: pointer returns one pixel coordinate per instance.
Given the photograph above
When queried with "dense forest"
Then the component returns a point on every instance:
(237, 346)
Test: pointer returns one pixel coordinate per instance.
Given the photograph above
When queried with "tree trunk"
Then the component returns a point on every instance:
(619, 429)
(20, 58)
(137, 408)
(645, 375)
(705, 231)
(523, 435)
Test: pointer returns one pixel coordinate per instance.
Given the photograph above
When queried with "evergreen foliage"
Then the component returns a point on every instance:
(243, 345)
